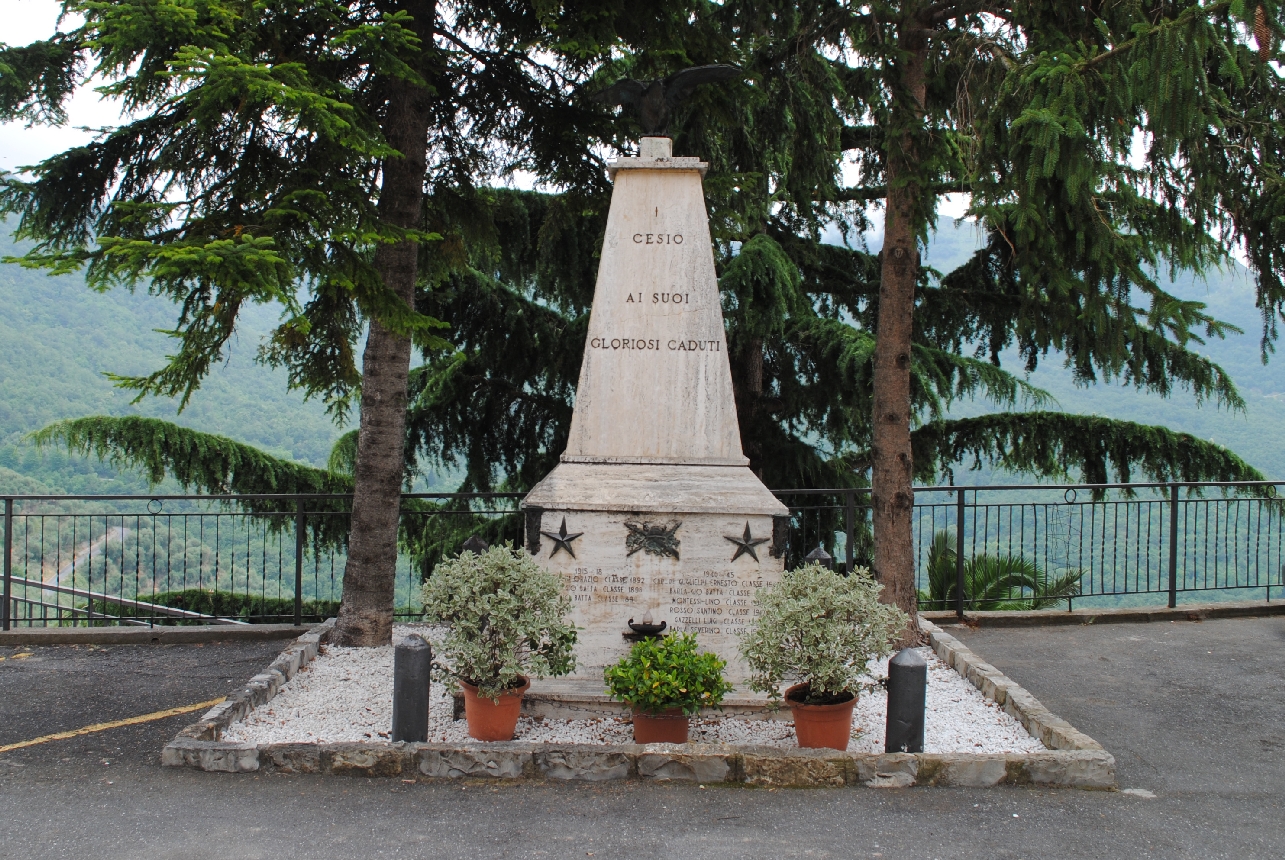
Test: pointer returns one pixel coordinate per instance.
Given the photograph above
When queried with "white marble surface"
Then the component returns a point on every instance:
(655, 488)
(655, 383)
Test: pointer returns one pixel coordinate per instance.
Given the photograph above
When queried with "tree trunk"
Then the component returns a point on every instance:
(893, 467)
(366, 613)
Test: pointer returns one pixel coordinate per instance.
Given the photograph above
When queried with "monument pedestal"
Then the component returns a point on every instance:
(653, 509)
(686, 545)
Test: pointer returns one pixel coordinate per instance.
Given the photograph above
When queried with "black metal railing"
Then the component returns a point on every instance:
(1106, 545)
(235, 559)
(91, 560)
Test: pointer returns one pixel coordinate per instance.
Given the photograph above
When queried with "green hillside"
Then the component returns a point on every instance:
(1256, 434)
(58, 338)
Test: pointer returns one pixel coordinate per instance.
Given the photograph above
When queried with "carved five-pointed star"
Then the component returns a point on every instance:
(562, 540)
(746, 544)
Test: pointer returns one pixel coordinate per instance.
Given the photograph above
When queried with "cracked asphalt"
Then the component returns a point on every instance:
(1194, 713)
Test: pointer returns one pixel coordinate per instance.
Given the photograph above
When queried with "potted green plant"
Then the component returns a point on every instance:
(503, 620)
(819, 629)
(664, 680)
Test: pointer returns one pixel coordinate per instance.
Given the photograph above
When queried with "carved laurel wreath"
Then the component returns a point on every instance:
(652, 538)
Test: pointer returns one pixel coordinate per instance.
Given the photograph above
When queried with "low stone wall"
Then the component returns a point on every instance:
(1073, 759)
(699, 763)
(1132, 615)
(161, 634)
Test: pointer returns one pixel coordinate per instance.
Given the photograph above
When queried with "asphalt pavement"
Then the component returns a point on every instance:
(1194, 712)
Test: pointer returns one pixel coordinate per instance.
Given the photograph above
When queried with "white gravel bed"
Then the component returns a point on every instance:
(346, 694)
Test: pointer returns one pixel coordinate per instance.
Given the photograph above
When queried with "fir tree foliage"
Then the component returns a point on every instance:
(201, 462)
(251, 168)
(1101, 450)
(801, 315)
(213, 465)
(1035, 108)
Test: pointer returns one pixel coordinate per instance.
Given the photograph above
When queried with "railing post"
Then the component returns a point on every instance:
(298, 561)
(959, 553)
(849, 525)
(1173, 545)
(8, 564)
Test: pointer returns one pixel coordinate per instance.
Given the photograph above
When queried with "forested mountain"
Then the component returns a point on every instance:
(58, 338)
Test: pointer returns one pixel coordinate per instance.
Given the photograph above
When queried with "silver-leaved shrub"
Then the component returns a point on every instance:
(502, 616)
(819, 628)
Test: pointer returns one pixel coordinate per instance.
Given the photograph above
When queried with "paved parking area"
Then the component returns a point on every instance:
(1195, 714)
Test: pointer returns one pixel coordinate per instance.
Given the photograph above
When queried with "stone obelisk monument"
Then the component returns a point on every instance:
(653, 510)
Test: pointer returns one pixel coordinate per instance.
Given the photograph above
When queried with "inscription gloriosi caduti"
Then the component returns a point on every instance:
(655, 345)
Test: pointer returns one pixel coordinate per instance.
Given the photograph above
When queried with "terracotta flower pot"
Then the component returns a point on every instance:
(667, 727)
(489, 720)
(820, 726)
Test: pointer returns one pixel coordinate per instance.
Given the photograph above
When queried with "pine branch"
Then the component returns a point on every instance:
(206, 463)
(1185, 17)
(1092, 449)
(201, 462)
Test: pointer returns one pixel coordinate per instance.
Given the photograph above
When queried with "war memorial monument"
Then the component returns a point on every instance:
(653, 513)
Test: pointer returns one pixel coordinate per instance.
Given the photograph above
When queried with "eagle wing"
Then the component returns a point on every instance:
(626, 91)
(679, 85)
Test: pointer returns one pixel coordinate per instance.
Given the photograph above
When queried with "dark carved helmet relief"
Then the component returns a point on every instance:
(652, 538)
(656, 100)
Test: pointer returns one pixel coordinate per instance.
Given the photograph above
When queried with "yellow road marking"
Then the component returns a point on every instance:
(114, 724)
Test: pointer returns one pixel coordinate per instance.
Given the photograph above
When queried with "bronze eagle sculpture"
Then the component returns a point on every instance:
(657, 99)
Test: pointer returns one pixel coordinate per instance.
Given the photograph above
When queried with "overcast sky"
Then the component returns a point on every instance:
(26, 21)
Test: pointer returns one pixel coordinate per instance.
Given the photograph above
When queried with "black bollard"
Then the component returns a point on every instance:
(475, 545)
(820, 556)
(412, 660)
(907, 701)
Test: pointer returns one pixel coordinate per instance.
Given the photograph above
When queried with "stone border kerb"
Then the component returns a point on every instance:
(1073, 759)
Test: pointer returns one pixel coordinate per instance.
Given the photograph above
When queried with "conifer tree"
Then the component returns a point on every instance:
(1039, 110)
(278, 151)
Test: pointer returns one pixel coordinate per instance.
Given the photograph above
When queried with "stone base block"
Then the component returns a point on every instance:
(591, 763)
(674, 762)
(492, 761)
(812, 768)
